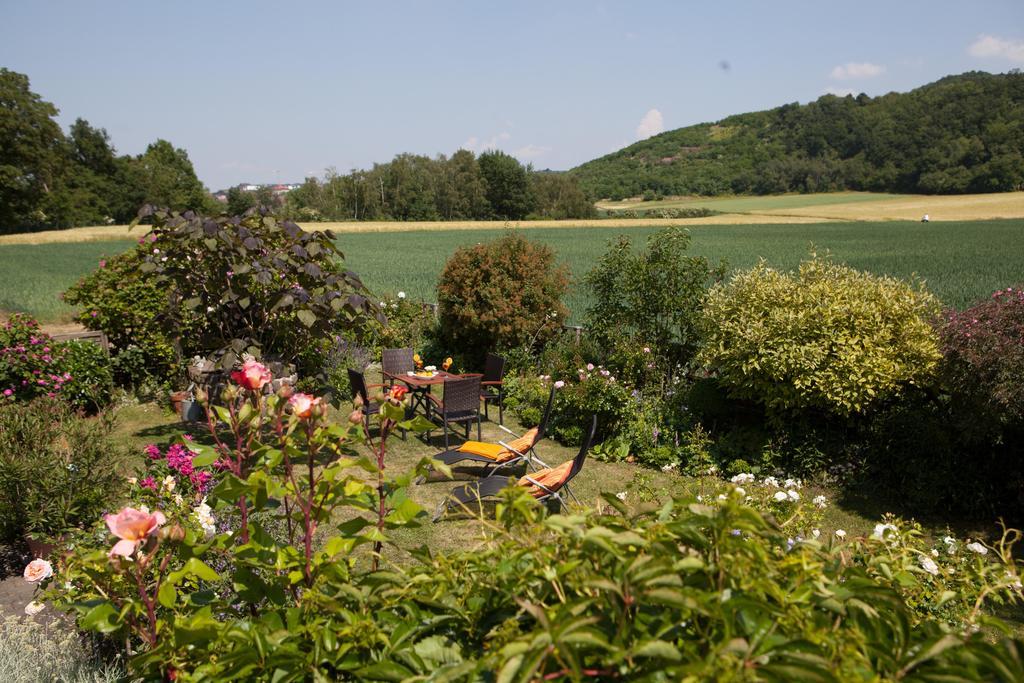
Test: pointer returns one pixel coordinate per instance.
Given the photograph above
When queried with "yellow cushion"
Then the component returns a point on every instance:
(497, 452)
(552, 477)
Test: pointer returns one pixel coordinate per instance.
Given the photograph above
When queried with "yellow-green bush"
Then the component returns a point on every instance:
(825, 337)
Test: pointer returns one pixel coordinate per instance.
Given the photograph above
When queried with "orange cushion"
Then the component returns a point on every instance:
(552, 478)
(497, 452)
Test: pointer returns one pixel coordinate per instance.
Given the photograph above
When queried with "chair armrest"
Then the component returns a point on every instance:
(471, 374)
(511, 450)
(436, 400)
(491, 384)
(376, 386)
(538, 484)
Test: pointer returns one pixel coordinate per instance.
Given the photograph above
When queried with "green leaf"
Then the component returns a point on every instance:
(204, 455)
(102, 618)
(658, 649)
(167, 594)
(306, 317)
(196, 568)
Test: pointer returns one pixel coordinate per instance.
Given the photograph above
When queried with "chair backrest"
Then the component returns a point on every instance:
(462, 395)
(577, 462)
(542, 428)
(357, 383)
(494, 368)
(397, 361)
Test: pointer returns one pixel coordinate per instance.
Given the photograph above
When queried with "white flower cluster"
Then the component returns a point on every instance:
(204, 515)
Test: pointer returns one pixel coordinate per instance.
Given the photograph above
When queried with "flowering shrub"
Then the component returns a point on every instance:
(827, 337)
(499, 295)
(58, 471)
(593, 390)
(155, 584)
(31, 363)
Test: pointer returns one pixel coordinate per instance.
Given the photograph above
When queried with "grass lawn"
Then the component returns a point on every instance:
(962, 261)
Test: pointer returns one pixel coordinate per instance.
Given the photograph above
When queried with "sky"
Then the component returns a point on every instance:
(275, 92)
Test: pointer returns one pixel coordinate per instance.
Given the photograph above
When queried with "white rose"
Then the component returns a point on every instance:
(928, 564)
(840, 533)
(37, 570)
(978, 548)
(780, 496)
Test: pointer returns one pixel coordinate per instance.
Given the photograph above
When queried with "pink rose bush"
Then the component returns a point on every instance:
(133, 527)
(304, 406)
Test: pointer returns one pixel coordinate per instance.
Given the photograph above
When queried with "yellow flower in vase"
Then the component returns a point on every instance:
(447, 363)
(417, 360)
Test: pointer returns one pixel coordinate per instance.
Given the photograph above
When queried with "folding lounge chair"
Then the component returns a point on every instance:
(496, 456)
(545, 485)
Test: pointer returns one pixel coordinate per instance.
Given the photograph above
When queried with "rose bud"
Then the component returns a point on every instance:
(356, 417)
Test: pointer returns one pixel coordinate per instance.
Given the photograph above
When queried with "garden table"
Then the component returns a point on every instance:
(420, 386)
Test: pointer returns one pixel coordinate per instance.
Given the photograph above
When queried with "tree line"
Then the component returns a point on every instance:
(412, 187)
(960, 134)
(49, 179)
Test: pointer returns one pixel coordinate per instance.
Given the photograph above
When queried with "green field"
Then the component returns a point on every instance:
(961, 261)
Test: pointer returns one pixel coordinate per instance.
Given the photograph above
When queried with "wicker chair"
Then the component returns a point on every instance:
(461, 403)
(396, 363)
(491, 388)
(359, 387)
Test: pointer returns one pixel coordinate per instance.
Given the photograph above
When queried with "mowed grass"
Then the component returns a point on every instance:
(962, 261)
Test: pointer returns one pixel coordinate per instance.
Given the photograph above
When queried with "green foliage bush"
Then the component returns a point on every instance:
(252, 284)
(646, 306)
(827, 337)
(686, 590)
(92, 376)
(127, 306)
(58, 471)
(499, 295)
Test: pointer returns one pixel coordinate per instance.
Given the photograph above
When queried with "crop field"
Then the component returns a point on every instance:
(962, 261)
(850, 206)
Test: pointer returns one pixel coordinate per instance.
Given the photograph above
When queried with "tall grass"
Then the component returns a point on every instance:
(961, 261)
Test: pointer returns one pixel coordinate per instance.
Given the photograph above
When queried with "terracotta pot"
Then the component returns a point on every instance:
(43, 549)
(177, 398)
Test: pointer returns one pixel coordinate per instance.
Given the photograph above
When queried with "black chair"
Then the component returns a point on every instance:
(492, 385)
(477, 491)
(396, 364)
(461, 403)
(357, 382)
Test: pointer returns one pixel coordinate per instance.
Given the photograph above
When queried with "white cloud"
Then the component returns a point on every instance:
(854, 70)
(651, 124)
(531, 151)
(991, 46)
(474, 144)
(839, 92)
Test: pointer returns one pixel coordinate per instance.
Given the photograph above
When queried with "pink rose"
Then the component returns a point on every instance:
(303, 405)
(132, 527)
(37, 570)
(253, 375)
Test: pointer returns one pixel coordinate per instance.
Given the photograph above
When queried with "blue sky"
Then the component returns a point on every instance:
(265, 92)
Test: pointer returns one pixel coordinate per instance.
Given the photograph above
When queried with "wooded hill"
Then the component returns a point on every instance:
(960, 134)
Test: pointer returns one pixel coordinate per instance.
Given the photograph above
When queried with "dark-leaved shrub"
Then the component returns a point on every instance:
(502, 294)
(254, 284)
